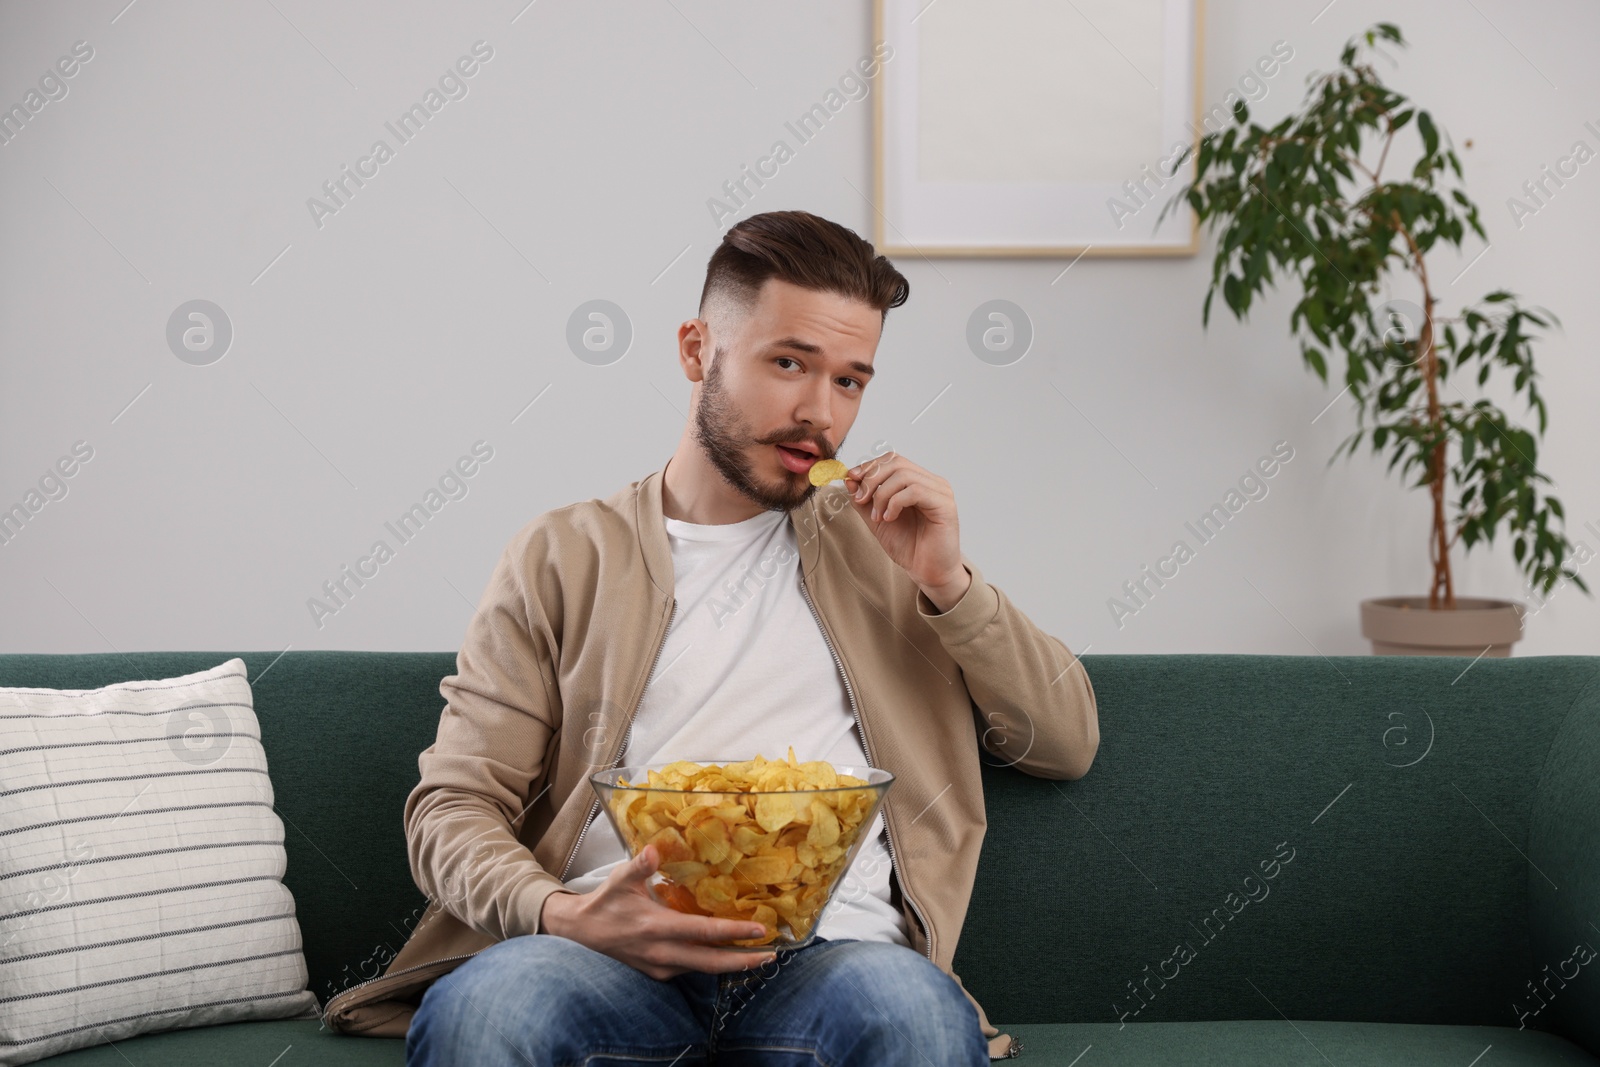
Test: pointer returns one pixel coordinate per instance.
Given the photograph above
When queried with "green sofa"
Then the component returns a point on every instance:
(1370, 860)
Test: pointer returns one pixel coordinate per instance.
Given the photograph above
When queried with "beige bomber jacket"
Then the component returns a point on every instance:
(555, 662)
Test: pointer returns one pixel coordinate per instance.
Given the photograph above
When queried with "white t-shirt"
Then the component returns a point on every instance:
(745, 671)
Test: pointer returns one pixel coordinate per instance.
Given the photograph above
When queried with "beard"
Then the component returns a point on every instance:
(724, 437)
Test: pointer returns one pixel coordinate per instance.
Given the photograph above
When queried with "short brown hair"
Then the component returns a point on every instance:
(805, 250)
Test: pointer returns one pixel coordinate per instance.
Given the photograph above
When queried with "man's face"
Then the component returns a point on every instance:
(791, 372)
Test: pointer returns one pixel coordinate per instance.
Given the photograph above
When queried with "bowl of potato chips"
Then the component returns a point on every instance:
(764, 841)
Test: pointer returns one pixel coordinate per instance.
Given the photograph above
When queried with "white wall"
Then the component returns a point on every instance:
(372, 352)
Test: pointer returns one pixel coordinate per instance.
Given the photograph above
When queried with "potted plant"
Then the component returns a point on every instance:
(1300, 199)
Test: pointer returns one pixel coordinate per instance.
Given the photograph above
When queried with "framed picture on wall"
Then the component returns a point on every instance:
(1035, 127)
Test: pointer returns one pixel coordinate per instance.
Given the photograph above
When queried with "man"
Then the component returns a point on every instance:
(716, 609)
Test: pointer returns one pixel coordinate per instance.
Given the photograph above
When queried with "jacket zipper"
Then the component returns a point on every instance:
(887, 839)
(594, 807)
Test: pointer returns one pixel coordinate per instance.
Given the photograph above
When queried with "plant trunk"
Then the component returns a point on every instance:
(1442, 592)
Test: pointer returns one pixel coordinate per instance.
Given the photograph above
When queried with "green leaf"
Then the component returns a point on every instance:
(1318, 364)
(1430, 136)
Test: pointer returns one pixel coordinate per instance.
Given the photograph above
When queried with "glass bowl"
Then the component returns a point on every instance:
(773, 856)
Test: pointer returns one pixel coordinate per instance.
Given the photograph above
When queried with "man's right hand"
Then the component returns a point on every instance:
(622, 919)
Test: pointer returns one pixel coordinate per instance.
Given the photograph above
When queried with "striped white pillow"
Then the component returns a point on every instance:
(141, 865)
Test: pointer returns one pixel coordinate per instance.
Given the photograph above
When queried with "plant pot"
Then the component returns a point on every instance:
(1405, 626)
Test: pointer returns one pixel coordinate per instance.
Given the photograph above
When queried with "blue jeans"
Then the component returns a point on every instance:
(544, 1001)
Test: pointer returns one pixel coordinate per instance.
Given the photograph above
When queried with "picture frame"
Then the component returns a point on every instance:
(1021, 128)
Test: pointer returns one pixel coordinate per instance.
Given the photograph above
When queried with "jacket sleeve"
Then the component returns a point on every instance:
(476, 782)
(1035, 706)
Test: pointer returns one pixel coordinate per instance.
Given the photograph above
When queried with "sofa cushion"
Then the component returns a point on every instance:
(1277, 1043)
(141, 886)
(284, 1043)
(1246, 1043)
(342, 731)
(1408, 896)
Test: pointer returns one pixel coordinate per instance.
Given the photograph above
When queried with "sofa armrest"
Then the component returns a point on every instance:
(1564, 848)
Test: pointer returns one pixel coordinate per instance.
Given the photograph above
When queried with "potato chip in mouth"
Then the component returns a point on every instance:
(824, 471)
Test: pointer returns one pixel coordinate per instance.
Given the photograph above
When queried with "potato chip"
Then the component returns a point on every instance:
(770, 856)
(824, 471)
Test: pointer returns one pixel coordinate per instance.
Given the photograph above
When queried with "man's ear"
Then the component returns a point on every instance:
(694, 348)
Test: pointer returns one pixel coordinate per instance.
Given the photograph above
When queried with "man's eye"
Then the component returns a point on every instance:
(790, 359)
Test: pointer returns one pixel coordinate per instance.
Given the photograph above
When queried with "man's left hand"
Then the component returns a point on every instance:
(912, 512)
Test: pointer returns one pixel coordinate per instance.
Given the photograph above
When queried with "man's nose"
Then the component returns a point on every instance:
(816, 408)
